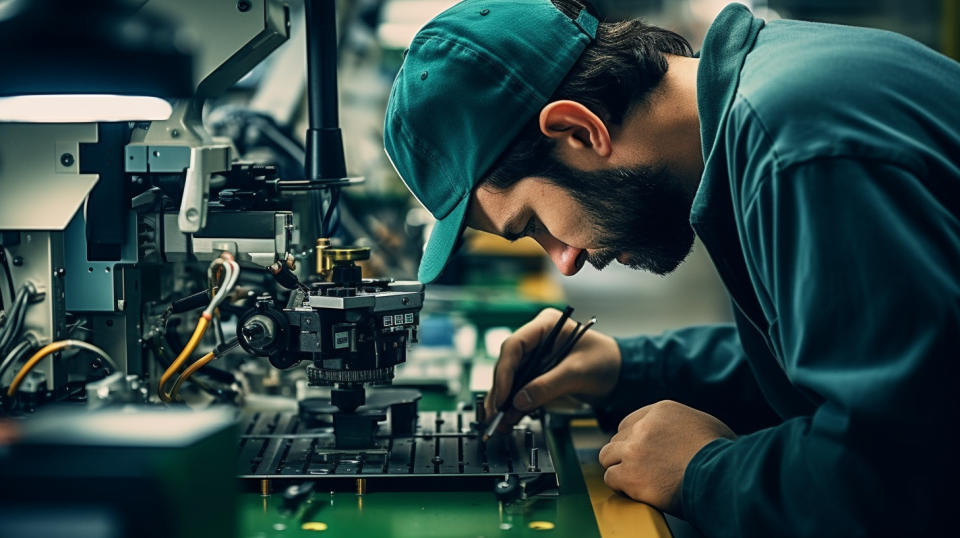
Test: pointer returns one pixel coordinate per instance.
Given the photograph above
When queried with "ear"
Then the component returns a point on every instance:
(571, 123)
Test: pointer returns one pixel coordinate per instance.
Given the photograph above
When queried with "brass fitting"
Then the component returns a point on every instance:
(328, 256)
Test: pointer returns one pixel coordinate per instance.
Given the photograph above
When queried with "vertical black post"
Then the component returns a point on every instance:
(324, 155)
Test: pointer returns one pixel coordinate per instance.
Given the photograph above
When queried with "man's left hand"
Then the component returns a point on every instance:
(646, 459)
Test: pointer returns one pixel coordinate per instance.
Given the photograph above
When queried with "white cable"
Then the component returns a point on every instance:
(230, 277)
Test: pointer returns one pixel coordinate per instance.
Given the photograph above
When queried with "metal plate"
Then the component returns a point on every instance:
(446, 445)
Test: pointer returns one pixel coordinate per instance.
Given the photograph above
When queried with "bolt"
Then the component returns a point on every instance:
(96, 364)
(423, 76)
(243, 6)
(437, 460)
(18, 261)
(405, 300)
(480, 416)
(484, 12)
(534, 459)
(174, 133)
(59, 272)
(66, 159)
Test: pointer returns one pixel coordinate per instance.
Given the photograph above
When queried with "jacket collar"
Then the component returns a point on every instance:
(728, 40)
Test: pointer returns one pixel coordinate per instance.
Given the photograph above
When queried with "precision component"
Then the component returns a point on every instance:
(353, 331)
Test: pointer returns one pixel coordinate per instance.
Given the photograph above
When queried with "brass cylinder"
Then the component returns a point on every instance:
(264, 487)
(361, 486)
(324, 264)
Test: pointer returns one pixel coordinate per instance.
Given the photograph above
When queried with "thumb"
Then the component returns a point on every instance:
(543, 389)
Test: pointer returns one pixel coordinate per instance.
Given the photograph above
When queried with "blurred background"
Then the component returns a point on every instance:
(493, 286)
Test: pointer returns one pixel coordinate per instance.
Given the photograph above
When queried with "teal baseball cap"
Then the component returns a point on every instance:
(472, 77)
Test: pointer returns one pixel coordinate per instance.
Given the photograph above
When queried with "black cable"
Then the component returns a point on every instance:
(328, 214)
(16, 354)
(14, 323)
(317, 198)
(6, 269)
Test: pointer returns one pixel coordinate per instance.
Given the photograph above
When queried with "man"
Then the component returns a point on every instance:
(819, 165)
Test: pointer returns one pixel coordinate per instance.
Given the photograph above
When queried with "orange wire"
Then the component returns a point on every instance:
(32, 361)
(203, 361)
(182, 357)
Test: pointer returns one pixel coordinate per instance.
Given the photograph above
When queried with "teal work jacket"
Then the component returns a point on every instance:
(829, 205)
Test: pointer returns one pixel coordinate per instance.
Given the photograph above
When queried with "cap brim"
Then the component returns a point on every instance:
(443, 240)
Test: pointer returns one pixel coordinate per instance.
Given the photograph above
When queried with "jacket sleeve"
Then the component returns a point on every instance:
(860, 264)
(704, 367)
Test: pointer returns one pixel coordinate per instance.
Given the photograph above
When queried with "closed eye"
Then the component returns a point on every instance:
(529, 230)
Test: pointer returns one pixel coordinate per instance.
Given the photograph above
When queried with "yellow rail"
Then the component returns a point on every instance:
(617, 515)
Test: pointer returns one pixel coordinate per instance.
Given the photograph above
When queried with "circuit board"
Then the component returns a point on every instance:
(444, 452)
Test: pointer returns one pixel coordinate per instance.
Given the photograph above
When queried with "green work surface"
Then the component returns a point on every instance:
(422, 514)
(432, 513)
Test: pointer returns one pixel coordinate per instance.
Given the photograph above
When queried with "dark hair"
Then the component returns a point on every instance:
(616, 71)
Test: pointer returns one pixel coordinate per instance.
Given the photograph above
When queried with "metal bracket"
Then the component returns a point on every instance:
(204, 162)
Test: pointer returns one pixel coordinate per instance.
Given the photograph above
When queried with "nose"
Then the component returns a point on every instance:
(568, 259)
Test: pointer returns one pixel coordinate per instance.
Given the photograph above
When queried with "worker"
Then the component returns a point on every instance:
(820, 167)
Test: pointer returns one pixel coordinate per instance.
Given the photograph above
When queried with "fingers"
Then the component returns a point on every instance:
(544, 389)
(512, 352)
(539, 392)
(611, 454)
(614, 477)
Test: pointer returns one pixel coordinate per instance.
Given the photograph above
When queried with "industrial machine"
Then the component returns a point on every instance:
(116, 232)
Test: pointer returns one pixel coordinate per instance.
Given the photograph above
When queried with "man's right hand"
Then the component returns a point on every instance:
(589, 372)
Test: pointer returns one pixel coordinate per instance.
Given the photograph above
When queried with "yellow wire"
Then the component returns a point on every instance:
(203, 361)
(182, 357)
(32, 361)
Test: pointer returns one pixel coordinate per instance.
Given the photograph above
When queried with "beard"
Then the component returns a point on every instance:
(640, 214)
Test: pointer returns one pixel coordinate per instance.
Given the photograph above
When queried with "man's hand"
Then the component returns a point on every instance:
(646, 459)
(589, 372)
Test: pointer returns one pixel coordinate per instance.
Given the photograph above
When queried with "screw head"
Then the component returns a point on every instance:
(18, 261)
(67, 159)
(243, 6)
(484, 12)
(423, 76)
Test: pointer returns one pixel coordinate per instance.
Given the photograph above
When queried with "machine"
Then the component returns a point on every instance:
(131, 246)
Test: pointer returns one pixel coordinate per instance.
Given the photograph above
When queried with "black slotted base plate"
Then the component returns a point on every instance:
(445, 452)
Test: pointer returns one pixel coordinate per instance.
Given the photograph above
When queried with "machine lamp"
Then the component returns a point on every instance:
(82, 108)
(94, 61)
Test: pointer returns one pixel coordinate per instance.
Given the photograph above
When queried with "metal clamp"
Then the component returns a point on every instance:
(204, 162)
